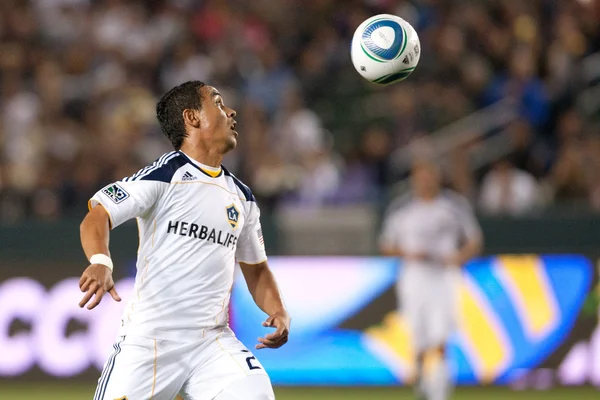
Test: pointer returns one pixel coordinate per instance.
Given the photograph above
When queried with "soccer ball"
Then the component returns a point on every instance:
(385, 49)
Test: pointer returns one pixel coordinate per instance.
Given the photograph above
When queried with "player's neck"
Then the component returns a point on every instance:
(427, 197)
(203, 157)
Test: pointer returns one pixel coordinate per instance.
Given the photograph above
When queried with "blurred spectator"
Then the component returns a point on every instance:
(366, 169)
(269, 80)
(508, 190)
(79, 80)
(320, 179)
(569, 176)
(296, 130)
(186, 65)
(593, 160)
(460, 175)
(403, 103)
(522, 84)
(529, 153)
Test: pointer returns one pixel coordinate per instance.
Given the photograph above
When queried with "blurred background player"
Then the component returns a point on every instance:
(196, 220)
(435, 233)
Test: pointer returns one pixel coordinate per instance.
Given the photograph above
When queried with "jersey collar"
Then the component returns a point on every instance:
(205, 169)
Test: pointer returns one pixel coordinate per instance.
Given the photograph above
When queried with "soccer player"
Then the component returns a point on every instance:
(435, 233)
(195, 220)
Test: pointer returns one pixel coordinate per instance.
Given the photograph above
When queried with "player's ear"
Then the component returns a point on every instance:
(191, 117)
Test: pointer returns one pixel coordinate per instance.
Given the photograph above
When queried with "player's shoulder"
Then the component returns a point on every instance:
(399, 205)
(161, 170)
(455, 200)
(242, 189)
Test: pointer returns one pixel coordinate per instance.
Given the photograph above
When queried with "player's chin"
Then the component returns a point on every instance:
(231, 142)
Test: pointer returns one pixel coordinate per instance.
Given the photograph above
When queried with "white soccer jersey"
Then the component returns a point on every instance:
(435, 227)
(192, 228)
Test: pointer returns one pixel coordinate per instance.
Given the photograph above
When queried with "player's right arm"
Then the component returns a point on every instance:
(390, 251)
(389, 241)
(97, 278)
(110, 207)
(473, 236)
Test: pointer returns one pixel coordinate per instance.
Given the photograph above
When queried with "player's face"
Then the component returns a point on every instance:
(426, 180)
(217, 120)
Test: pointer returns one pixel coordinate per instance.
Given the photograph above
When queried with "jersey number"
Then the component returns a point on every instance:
(249, 362)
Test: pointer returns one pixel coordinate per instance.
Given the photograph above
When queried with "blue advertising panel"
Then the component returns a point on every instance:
(513, 312)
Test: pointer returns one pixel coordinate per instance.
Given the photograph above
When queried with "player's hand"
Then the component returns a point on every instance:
(417, 256)
(96, 280)
(280, 321)
(454, 260)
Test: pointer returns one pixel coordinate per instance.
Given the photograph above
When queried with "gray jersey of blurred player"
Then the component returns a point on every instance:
(434, 231)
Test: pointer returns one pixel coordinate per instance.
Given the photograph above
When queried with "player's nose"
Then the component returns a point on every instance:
(231, 113)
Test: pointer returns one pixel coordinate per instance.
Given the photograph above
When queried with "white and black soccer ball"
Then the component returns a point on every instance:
(385, 49)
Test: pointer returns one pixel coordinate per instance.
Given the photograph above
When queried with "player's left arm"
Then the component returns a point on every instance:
(265, 292)
(471, 248)
(473, 244)
(252, 257)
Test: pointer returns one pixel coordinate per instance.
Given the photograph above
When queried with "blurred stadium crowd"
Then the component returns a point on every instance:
(80, 79)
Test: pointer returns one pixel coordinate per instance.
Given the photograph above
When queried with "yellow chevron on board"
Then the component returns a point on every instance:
(394, 334)
(484, 346)
(525, 281)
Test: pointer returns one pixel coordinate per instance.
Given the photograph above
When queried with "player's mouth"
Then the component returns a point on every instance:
(232, 127)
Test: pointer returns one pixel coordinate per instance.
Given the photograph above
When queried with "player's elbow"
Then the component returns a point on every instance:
(388, 251)
(477, 245)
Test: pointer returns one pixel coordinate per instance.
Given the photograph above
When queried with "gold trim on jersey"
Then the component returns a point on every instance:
(137, 289)
(244, 370)
(137, 222)
(210, 183)
(253, 264)
(110, 218)
(154, 373)
(153, 232)
(223, 305)
(212, 174)
(228, 295)
(145, 272)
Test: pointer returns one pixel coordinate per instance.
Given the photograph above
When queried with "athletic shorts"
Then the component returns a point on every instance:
(428, 302)
(142, 368)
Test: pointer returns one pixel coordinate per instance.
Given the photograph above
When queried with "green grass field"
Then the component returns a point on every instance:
(59, 391)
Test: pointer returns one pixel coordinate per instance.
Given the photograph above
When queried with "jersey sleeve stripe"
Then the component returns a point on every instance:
(165, 161)
(146, 168)
(154, 165)
(150, 168)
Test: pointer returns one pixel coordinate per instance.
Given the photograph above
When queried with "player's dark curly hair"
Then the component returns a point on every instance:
(169, 110)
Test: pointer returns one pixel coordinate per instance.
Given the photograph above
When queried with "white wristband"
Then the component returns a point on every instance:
(101, 259)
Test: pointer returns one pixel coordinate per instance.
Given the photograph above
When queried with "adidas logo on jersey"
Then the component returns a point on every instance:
(188, 177)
